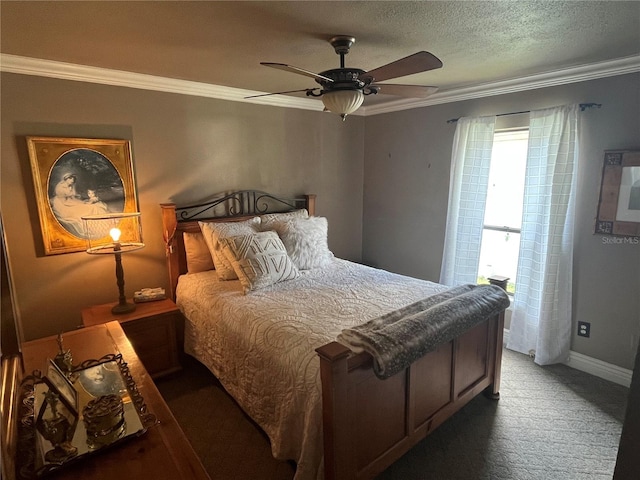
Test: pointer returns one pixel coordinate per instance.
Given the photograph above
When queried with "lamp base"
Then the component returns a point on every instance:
(123, 308)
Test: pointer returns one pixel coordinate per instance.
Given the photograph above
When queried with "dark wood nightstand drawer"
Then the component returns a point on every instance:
(154, 330)
(154, 340)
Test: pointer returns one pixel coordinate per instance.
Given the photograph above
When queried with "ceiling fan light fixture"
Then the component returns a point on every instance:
(343, 102)
(343, 89)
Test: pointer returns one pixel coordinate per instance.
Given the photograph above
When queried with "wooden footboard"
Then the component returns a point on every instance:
(369, 423)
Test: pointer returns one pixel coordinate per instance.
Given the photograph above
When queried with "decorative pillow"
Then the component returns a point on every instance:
(213, 232)
(259, 260)
(267, 220)
(306, 241)
(198, 255)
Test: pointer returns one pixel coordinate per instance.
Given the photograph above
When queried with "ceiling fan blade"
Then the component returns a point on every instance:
(282, 93)
(299, 71)
(416, 63)
(411, 91)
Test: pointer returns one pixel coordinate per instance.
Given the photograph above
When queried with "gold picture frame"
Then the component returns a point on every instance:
(619, 204)
(75, 177)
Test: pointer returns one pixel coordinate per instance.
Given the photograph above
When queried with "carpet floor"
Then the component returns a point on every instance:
(551, 423)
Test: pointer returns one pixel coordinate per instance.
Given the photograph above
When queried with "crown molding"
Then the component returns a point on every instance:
(84, 73)
(105, 76)
(581, 73)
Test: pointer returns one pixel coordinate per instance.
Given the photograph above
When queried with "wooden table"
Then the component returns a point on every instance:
(163, 452)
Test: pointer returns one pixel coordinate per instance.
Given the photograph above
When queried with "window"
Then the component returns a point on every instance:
(503, 211)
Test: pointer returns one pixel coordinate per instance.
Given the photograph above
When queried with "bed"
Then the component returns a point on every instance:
(274, 348)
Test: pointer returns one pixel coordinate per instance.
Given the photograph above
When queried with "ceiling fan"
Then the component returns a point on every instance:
(343, 89)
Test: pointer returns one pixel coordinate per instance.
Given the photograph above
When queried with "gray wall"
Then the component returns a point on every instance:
(383, 179)
(184, 148)
(406, 182)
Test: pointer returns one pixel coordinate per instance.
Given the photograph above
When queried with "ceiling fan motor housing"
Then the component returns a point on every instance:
(343, 79)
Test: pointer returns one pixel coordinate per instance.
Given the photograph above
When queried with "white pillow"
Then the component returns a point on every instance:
(213, 232)
(267, 220)
(198, 255)
(306, 241)
(259, 260)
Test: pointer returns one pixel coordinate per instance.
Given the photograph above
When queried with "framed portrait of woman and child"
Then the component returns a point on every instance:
(77, 177)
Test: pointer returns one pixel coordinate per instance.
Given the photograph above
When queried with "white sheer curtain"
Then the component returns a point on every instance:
(469, 179)
(541, 319)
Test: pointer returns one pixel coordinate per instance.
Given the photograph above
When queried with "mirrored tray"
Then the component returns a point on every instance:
(42, 418)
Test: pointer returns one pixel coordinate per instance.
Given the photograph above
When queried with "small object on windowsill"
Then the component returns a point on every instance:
(499, 280)
(149, 295)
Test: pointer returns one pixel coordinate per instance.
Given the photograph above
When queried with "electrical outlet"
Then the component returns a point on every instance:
(584, 329)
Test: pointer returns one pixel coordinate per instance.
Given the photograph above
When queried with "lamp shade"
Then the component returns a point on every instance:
(113, 233)
(343, 102)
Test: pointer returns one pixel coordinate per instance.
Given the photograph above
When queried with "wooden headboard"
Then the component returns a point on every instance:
(224, 207)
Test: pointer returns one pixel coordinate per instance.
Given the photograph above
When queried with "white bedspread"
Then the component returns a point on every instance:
(261, 346)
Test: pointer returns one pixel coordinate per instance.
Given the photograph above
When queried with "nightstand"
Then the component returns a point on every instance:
(155, 329)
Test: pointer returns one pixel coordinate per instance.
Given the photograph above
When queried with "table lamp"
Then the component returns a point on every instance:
(115, 234)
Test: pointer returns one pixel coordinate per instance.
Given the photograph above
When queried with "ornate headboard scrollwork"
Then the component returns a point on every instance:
(228, 206)
(240, 203)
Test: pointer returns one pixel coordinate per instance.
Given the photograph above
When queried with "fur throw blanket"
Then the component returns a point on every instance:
(400, 337)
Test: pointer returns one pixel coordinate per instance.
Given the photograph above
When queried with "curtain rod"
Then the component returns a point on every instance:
(583, 107)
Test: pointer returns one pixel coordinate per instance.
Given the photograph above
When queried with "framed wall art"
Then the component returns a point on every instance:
(76, 177)
(619, 205)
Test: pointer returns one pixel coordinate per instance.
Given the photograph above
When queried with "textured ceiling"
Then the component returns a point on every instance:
(222, 43)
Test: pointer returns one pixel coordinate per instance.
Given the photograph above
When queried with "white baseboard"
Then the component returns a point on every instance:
(608, 371)
(593, 366)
